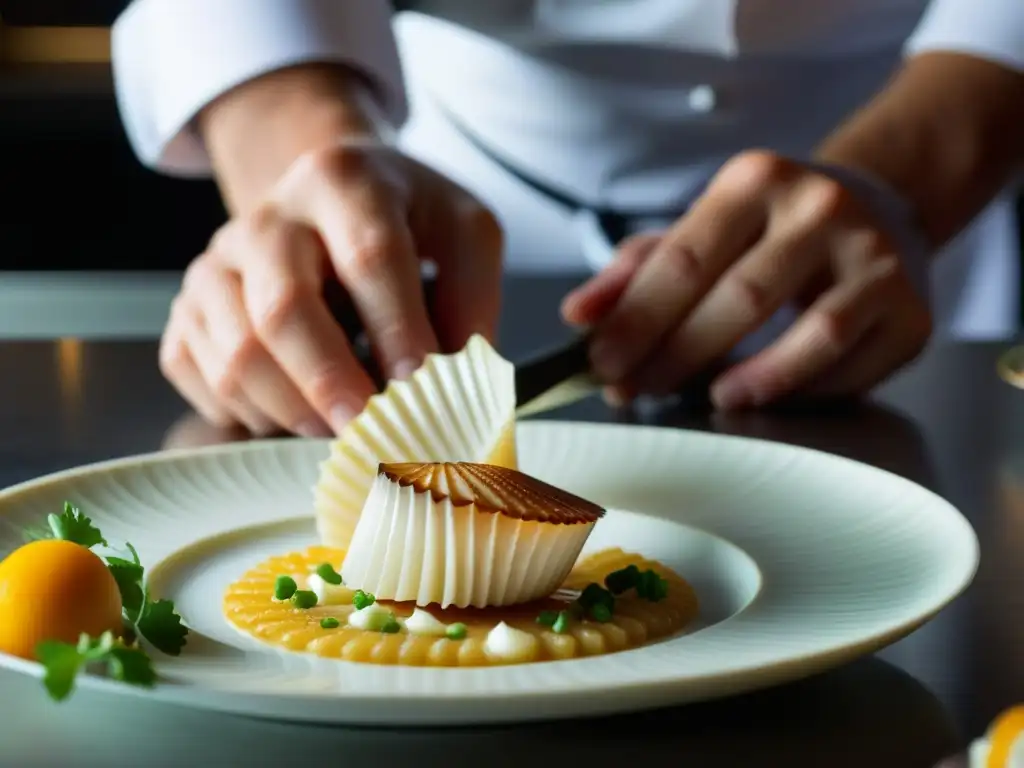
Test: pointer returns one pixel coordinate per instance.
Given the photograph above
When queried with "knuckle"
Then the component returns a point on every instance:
(338, 161)
(752, 296)
(242, 353)
(200, 271)
(369, 258)
(681, 262)
(274, 311)
(322, 387)
(757, 168)
(173, 356)
(263, 221)
(831, 330)
(821, 198)
(224, 384)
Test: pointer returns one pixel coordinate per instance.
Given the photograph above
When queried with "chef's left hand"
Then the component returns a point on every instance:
(768, 232)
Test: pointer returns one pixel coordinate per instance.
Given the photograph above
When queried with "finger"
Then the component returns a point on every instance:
(369, 243)
(221, 381)
(686, 263)
(830, 329)
(282, 265)
(793, 251)
(179, 367)
(877, 357)
(465, 241)
(218, 293)
(591, 302)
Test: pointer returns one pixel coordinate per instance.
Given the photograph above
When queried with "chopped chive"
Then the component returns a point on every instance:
(595, 594)
(601, 612)
(303, 598)
(362, 599)
(329, 622)
(390, 625)
(561, 624)
(547, 618)
(326, 572)
(456, 631)
(622, 580)
(284, 587)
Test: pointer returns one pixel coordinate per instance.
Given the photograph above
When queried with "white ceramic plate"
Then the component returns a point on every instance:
(802, 561)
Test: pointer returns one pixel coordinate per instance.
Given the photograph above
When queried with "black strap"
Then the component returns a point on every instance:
(614, 223)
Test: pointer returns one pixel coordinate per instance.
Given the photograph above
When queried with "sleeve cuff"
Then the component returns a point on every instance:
(991, 30)
(173, 57)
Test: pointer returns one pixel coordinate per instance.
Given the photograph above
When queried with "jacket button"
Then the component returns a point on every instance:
(703, 98)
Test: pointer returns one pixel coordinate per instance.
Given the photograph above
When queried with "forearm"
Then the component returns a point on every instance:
(945, 134)
(254, 132)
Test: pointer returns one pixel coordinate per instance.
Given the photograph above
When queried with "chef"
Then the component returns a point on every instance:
(813, 188)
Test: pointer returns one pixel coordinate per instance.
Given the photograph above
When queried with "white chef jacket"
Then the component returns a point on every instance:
(621, 105)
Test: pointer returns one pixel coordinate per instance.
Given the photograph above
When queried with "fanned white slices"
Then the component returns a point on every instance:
(458, 407)
(465, 534)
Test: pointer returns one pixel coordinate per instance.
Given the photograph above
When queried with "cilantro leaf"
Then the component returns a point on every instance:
(162, 627)
(128, 576)
(132, 666)
(72, 525)
(63, 661)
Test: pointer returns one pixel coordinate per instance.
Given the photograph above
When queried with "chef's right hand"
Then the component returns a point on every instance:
(250, 339)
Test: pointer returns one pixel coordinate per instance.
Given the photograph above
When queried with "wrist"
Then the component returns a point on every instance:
(256, 131)
(936, 135)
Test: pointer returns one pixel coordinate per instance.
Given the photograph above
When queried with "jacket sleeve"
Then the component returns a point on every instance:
(173, 57)
(988, 29)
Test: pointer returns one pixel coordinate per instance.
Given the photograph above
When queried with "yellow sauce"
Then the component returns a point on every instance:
(250, 607)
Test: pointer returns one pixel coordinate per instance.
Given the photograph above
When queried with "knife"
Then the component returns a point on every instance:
(554, 378)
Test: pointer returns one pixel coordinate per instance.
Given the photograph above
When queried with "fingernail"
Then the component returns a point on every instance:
(314, 428)
(732, 393)
(403, 369)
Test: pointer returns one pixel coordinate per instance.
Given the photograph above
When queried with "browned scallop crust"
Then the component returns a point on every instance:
(493, 489)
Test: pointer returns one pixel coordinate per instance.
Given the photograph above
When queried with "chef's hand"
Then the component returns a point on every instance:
(766, 233)
(250, 338)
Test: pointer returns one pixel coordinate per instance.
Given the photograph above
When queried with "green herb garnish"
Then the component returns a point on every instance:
(391, 625)
(72, 525)
(456, 631)
(284, 587)
(622, 580)
(326, 572)
(561, 625)
(601, 612)
(362, 599)
(329, 622)
(651, 586)
(595, 594)
(304, 599)
(547, 618)
(63, 661)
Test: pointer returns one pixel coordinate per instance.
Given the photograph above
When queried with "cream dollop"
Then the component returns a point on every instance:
(509, 644)
(329, 594)
(424, 623)
(371, 617)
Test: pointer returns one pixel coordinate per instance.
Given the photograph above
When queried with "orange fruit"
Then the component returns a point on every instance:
(55, 590)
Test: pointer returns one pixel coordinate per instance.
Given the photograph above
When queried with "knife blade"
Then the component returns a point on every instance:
(556, 377)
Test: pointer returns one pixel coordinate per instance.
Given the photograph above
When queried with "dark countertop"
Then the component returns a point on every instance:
(948, 423)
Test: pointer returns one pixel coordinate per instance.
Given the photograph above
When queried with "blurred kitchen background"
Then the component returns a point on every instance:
(74, 198)
(88, 237)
